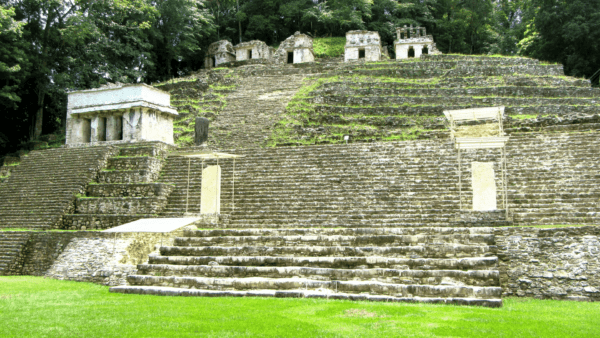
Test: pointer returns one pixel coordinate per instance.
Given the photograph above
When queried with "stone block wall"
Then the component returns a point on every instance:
(95, 222)
(558, 263)
(121, 205)
(129, 190)
(98, 257)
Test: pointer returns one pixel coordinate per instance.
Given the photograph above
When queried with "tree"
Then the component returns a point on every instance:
(12, 57)
(13, 70)
(565, 31)
(177, 35)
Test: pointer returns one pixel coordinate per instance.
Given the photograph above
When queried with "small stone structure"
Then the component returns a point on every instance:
(362, 45)
(121, 113)
(413, 42)
(219, 52)
(298, 48)
(210, 201)
(254, 49)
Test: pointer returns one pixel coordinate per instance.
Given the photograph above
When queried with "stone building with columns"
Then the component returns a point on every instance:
(121, 113)
(412, 42)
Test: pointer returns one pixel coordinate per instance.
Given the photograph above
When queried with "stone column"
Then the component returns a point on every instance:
(132, 125)
(418, 50)
(98, 129)
(114, 130)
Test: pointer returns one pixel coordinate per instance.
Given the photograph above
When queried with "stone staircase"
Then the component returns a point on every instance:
(376, 222)
(126, 190)
(551, 180)
(430, 265)
(252, 110)
(43, 187)
(11, 247)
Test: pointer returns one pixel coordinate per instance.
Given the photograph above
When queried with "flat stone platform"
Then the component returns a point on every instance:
(163, 225)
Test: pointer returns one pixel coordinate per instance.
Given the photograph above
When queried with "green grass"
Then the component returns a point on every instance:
(38, 307)
(329, 47)
(43, 230)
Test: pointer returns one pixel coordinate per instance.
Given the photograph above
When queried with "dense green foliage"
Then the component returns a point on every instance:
(48, 47)
(328, 47)
(33, 306)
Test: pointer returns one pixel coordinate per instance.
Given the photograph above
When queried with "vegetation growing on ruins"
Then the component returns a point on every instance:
(329, 47)
(34, 306)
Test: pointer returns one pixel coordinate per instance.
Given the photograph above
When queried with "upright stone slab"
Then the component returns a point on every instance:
(201, 130)
(210, 200)
(484, 186)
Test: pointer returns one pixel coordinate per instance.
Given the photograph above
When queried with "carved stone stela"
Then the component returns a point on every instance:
(484, 186)
(210, 200)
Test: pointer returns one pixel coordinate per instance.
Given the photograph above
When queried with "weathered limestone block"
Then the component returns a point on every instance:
(484, 186)
(362, 45)
(210, 200)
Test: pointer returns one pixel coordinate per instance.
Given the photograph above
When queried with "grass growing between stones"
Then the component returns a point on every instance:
(34, 306)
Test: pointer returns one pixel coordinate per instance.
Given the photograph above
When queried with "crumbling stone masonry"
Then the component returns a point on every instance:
(219, 52)
(362, 45)
(298, 48)
(413, 42)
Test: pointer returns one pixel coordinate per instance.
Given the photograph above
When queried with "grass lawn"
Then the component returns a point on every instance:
(38, 307)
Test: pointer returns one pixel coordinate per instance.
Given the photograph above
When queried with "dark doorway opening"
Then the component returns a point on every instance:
(425, 50)
(102, 129)
(213, 61)
(87, 130)
(361, 53)
(249, 54)
(411, 52)
(290, 57)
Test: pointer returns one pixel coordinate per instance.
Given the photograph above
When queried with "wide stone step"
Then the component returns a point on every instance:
(340, 232)
(167, 291)
(478, 263)
(336, 240)
(413, 251)
(371, 287)
(419, 277)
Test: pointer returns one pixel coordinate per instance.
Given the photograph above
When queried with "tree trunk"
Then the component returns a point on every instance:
(239, 22)
(39, 115)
